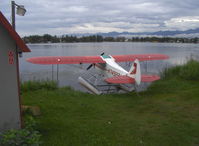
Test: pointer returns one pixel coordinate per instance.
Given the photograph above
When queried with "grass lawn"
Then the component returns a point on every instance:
(167, 114)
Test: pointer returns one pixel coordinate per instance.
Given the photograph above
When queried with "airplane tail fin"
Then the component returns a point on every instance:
(135, 72)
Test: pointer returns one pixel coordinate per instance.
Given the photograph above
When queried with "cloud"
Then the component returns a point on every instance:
(88, 16)
(188, 22)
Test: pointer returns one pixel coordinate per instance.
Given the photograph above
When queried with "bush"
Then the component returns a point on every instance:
(23, 137)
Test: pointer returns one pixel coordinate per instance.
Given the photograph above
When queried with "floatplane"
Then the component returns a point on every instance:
(113, 73)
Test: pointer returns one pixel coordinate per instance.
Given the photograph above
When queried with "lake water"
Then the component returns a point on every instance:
(68, 74)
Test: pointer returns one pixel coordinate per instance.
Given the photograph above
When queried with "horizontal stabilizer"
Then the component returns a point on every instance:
(129, 80)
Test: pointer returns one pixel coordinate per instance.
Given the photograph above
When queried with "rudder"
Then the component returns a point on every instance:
(135, 72)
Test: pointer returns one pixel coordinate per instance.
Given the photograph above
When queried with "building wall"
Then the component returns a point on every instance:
(9, 98)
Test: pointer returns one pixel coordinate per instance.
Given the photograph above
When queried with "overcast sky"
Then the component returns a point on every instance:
(58, 17)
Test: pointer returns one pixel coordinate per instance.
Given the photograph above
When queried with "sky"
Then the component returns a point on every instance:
(58, 17)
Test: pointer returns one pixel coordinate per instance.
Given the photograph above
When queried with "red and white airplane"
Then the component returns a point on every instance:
(114, 73)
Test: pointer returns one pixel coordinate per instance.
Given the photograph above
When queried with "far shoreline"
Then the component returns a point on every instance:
(46, 38)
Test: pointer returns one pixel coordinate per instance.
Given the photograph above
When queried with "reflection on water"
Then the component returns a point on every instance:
(68, 74)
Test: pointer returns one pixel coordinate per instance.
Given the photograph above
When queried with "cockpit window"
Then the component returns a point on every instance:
(106, 56)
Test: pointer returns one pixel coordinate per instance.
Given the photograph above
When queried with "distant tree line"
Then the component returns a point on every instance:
(165, 39)
(46, 38)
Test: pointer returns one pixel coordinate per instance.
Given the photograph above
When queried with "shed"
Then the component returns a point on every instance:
(10, 106)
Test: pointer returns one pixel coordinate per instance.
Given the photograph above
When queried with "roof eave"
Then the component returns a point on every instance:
(20, 43)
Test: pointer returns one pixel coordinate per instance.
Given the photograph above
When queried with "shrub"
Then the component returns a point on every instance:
(23, 137)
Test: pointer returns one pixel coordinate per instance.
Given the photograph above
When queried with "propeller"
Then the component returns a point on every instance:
(89, 66)
(102, 54)
(93, 64)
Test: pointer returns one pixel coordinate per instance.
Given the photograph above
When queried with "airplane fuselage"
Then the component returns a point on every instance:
(110, 68)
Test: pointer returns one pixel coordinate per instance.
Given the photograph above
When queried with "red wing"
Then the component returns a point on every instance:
(92, 59)
(129, 80)
(65, 60)
(140, 57)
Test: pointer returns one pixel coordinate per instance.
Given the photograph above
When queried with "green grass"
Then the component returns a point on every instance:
(188, 71)
(38, 85)
(167, 114)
